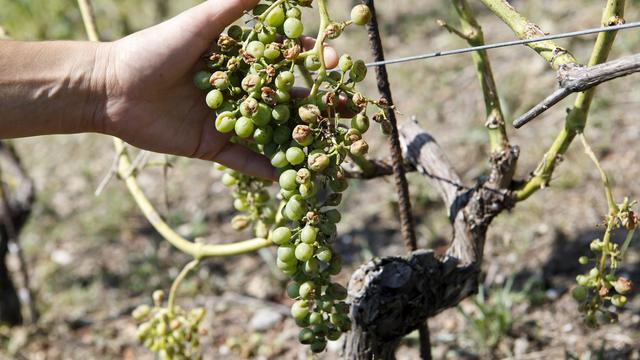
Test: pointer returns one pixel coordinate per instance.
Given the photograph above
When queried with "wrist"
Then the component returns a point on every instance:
(94, 113)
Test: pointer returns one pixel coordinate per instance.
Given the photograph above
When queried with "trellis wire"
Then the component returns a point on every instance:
(504, 44)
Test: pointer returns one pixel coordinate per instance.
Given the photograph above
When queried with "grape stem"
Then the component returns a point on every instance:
(178, 280)
(318, 48)
(261, 18)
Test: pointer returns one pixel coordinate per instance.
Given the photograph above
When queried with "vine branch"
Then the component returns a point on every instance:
(472, 33)
(577, 118)
(574, 79)
(553, 53)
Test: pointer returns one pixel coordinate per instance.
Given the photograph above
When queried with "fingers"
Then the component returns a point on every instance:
(246, 161)
(330, 54)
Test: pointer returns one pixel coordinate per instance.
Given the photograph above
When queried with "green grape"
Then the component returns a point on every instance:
(244, 127)
(201, 80)
(285, 80)
(241, 205)
(281, 235)
(293, 290)
(295, 208)
(360, 122)
(360, 14)
(279, 159)
(267, 35)
(308, 190)
(306, 291)
(281, 114)
(286, 254)
(282, 135)
(619, 300)
(214, 99)
(262, 115)
(276, 17)
(315, 318)
(295, 155)
(318, 345)
(225, 122)
(256, 49)
(263, 135)
(300, 309)
(293, 28)
(283, 96)
(288, 180)
(271, 52)
(308, 234)
(294, 12)
(312, 63)
(345, 63)
(229, 180)
(324, 255)
(306, 336)
(304, 251)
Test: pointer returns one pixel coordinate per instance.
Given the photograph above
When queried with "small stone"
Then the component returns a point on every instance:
(264, 319)
(567, 328)
(520, 347)
(551, 294)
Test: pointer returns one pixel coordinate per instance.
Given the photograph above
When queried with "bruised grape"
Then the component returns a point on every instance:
(345, 63)
(360, 14)
(256, 49)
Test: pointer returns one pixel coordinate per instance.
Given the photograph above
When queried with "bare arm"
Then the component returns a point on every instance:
(138, 88)
(49, 87)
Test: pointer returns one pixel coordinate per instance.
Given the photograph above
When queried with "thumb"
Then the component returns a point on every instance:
(209, 19)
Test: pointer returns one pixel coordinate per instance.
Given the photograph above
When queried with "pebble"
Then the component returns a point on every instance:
(264, 319)
(567, 328)
(520, 346)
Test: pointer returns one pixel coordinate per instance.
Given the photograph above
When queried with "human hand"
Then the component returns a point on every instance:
(149, 97)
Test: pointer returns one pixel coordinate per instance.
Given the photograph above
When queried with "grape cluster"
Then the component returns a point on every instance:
(600, 284)
(252, 200)
(250, 86)
(171, 333)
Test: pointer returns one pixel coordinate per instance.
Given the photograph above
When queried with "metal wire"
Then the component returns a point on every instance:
(504, 44)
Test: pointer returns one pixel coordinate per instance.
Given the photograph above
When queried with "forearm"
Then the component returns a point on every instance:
(50, 87)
